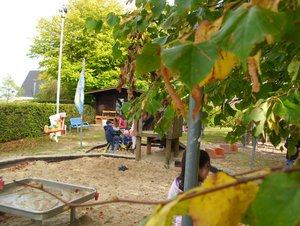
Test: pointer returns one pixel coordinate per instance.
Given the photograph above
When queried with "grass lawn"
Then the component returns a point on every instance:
(67, 144)
(92, 136)
(212, 135)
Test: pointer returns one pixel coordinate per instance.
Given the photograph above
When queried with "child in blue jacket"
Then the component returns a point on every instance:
(109, 134)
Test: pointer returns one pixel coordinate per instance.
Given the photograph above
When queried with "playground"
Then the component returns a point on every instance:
(148, 179)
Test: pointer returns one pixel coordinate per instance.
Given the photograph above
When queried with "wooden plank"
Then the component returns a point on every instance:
(149, 133)
(139, 127)
(176, 147)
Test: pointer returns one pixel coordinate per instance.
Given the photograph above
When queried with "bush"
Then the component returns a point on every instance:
(23, 120)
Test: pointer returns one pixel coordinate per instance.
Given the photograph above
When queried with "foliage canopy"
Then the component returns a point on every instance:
(244, 53)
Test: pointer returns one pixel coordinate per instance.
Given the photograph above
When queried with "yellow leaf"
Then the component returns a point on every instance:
(207, 29)
(268, 4)
(222, 68)
(197, 95)
(147, 7)
(224, 65)
(223, 207)
(257, 61)
(164, 216)
(273, 123)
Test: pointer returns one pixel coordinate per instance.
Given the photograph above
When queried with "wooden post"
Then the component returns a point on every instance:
(138, 148)
(149, 139)
(138, 140)
(176, 146)
(73, 215)
(168, 150)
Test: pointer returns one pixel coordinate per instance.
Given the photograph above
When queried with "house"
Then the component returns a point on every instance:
(31, 85)
(110, 100)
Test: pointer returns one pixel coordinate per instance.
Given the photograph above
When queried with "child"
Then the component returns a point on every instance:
(127, 141)
(132, 133)
(291, 155)
(117, 135)
(178, 183)
(109, 134)
(121, 122)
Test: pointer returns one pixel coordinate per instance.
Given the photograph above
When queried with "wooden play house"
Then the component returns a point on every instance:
(108, 102)
(172, 139)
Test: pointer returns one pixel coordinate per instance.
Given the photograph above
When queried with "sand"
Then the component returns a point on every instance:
(144, 180)
(147, 179)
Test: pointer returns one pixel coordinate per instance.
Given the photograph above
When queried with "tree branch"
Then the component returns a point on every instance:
(164, 202)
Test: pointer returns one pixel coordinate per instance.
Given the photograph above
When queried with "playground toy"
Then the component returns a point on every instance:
(1, 183)
(19, 199)
(57, 125)
(75, 123)
(172, 138)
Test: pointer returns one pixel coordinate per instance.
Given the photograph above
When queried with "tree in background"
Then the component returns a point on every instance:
(9, 90)
(101, 68)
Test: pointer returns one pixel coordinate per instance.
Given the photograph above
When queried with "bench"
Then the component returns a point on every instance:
(75, 123)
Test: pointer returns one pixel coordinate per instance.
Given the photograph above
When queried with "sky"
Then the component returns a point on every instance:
(18, 21)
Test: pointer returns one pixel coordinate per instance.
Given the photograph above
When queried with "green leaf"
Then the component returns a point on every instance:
(293, 68)
(277, 202)
(160, 40)
(169, 112)
(98, 27)
(217, 120)
(117, 53)
(157, 6)
(153, 106)
(192, 61)
(287, 110)
(149, 59)
(126, 107)
(186, 5)
(170, 21)
(258, 115)
(275, 139)
(292, 31)
(137, 20)
(165, 122)
(139, 3)
(112, 20)
(143, 25)
(92, 24)
(297, 95)
(264, 91)
(246, 27)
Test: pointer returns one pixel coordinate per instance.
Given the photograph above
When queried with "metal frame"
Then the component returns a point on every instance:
(39, 216)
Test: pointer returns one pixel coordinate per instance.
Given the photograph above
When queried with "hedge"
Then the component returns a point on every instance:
(21, 120)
